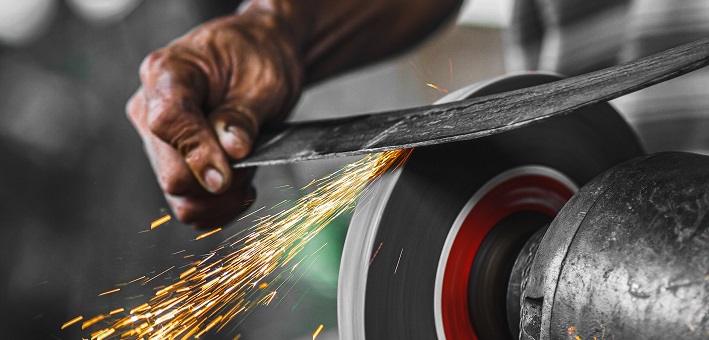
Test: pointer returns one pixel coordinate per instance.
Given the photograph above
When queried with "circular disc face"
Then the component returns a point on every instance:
(400, 239)
(522, 189)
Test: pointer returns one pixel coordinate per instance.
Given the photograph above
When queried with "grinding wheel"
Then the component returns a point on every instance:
(430, 246)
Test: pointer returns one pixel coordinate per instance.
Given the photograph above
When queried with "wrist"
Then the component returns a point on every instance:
(288, 18)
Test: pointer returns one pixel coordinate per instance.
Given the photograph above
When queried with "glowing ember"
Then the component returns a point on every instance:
(439, 89)
(160, 221)
(110, 291)
(317, 331)
(375, 253)
(224, 287)
(72, 321)
(208, 233)
(116, 311)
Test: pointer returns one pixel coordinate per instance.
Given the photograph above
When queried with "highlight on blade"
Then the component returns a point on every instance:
(250, 268)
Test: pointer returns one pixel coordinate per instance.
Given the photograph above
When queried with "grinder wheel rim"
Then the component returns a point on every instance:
(521, 189)
(376, 302)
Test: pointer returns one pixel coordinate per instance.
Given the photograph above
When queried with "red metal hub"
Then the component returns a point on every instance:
(515, 191)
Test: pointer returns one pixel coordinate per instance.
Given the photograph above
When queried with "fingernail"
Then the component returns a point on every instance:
(239, 141)
(213, 179)
(238, 134)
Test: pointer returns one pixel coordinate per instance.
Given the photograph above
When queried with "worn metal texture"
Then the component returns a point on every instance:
(627, 258)
(520, 270)
(490, 276)
(470, 118)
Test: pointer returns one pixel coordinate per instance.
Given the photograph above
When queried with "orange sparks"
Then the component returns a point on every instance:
(152, 278)
(188, 272)
(116, 311)
(210, 326)
(450, 69)
(72, 321)
(221, 287)
(208, 234)
(160, 221)
(439, 89)
(138, 279)
(92, 321)
(375, 253)
(317, 331)
(571, 330)
(104, 334)
(110, 291)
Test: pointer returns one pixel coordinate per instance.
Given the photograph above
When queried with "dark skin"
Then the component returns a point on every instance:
(205, 96)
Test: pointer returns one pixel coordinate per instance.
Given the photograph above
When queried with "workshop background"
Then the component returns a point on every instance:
(77, 194)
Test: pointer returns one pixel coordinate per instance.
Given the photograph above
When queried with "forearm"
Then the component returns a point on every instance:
(332, 36)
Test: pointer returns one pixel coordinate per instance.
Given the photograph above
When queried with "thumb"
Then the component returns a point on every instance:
(236, 127)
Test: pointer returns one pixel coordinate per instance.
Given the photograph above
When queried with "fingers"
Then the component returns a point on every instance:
(173, 90)
(189, 201)
(211, 211)
(236, 127)
(171, 170)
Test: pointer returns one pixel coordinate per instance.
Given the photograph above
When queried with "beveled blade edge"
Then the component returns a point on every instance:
(470, 118)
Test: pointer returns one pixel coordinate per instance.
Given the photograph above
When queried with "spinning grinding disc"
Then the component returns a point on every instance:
(429, 249)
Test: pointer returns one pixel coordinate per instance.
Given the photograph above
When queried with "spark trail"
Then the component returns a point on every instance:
(222, 288)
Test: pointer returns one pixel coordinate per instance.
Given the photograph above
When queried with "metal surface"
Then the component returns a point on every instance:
(391, 253)
(469, 119)
(627, 257)
(490, 274)
(471, 278)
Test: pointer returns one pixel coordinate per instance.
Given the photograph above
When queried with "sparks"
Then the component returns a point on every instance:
(317, 331)
(72, 321)
(399, 260)
(208, 234)
(439, 89)
(110, 291)
(160, 221)
(129, 282)
(450, 70)
(375, 253)
(163, 272)
(116, 311)
(238, 276)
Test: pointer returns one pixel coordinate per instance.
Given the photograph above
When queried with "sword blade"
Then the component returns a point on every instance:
(469, 118)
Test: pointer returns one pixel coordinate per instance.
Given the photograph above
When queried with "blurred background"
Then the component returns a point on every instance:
(77, 193)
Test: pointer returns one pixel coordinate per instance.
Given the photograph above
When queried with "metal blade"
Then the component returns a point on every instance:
(470, 118)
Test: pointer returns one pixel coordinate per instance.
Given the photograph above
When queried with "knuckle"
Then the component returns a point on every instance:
(174, 112)
(175, 184)
(170, 123)
(187, 141)
(153, 62)
(160, 120)
(132, 109)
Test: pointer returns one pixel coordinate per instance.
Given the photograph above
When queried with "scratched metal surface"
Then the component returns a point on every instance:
(472, 118)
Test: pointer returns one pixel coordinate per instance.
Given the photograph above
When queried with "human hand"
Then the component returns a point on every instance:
(203, 99)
